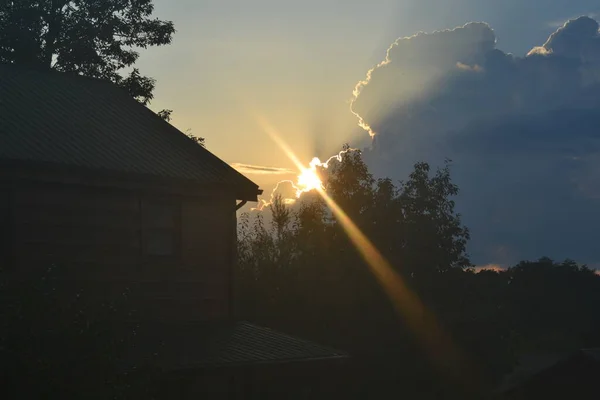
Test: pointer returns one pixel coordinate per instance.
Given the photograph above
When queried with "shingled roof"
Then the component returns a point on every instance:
(220, 344)
(48, 117)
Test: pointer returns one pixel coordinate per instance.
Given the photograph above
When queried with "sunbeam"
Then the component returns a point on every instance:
(442, 351)
(308, 178)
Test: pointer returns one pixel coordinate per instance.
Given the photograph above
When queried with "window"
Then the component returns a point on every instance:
(5, 228)
(159, 228)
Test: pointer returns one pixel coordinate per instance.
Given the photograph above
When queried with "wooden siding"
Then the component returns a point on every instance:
(5, 228)
(98, 237)
(75, 227)
(206, 250)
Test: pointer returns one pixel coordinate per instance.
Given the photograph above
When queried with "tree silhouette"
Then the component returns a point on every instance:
(319, 287)
(87, 37)
(322, 288)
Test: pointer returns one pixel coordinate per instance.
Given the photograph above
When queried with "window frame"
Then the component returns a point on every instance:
(6, 227)
(147, 227)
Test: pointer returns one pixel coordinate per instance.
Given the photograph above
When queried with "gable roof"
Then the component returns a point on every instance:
(49, 117)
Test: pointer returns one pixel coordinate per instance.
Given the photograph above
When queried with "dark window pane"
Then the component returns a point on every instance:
(159, 227)
(5, 231)
(159, 242)
(157, 215)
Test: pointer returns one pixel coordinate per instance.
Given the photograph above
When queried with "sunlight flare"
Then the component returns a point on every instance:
(308, 178)
(422, 322)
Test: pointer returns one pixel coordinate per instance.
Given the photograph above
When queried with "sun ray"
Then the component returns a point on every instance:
(308, 177)
(423, 323)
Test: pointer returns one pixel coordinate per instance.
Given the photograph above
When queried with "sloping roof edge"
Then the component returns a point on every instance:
(89, 117)
(224, 345)
(250, 193)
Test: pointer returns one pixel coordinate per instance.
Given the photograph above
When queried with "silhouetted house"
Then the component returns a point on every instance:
(568, 376)
(101, 185)
(96, 183)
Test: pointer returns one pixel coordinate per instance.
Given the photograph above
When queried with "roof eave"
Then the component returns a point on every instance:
(249, 195)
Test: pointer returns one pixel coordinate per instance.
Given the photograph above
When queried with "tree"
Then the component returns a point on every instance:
(165, 114)
(96, 38)
(323, 289)
(553, 305)
(350, 184)
(199, 140)
(432, 227)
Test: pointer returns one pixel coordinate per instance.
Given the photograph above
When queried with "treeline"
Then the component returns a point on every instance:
(300, 273)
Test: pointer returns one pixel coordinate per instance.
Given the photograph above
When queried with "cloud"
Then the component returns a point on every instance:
(578, 39)
(261, 170)
(413, 67)
(560, 23)
(522, 132)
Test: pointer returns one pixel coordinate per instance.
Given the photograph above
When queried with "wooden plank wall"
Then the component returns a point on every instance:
(96, 236)
(5, 229)
(206, 250)
(74, 227)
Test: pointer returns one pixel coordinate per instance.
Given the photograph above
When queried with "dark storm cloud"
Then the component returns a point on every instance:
(523, 133)
(577, 39)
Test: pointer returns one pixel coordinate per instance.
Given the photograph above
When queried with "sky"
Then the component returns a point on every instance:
(296, 64)
(298, 61)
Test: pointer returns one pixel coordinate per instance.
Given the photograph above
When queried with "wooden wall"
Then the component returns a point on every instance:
(5, 228)
(208, 246)
(108, 240)
(76, 227)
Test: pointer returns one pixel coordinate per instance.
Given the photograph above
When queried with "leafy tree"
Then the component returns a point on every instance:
(350, 184)
(165, 114)
(96, 38)
(553, 305)
(432, 226)
(199, 140)
(281, 217)
(324, 259)
(320, 288)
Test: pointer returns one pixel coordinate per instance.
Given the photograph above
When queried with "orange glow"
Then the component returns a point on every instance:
(418, 318)
(309, 180)
(422, 322)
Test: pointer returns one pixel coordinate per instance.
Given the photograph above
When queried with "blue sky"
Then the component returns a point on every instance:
(297, 63)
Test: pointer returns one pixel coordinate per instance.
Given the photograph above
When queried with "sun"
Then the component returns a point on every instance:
(309, 180)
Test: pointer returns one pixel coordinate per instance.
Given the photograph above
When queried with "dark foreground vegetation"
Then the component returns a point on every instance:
(300, 273)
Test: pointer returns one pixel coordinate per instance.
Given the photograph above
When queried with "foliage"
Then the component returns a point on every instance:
(165, 114)
(553, 305)
(199, 140)
(300, 273)
(94, 38)
(88, 37)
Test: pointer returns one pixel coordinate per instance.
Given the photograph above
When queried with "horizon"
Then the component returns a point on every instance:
(317, 199)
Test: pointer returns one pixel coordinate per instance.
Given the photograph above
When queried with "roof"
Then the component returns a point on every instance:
(48, 117)
(533, 366)
(221, 344)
